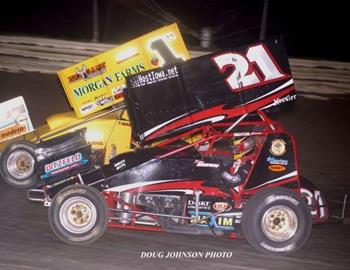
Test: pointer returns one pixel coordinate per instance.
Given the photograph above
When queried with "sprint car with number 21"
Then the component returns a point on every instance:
(239, 178)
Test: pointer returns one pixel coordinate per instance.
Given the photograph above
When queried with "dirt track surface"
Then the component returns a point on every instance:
(27, 243)
(321, 128)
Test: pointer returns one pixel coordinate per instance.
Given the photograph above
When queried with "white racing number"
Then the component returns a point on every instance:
(316, 196)
(256, 67)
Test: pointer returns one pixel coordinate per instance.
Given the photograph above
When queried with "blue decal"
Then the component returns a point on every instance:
(65, 168)
(277, 161)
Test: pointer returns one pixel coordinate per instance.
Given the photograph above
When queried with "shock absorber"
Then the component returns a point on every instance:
(127, 198)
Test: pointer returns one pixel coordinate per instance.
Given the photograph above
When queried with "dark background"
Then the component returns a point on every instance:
(312, 29)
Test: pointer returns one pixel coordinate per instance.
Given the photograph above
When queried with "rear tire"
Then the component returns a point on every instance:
(18, 164)
(78, 215)
(276, 221)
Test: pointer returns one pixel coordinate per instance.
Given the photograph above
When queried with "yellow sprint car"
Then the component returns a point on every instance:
(77, 141)
(65, 146)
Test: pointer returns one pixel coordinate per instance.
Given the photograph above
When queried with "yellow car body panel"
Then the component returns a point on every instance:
(110, 133)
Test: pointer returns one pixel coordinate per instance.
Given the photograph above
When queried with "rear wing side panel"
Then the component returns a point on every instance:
(209, 89)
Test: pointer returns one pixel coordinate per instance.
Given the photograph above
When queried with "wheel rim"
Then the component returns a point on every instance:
(279, 223)
(20, 164)
(78, 215)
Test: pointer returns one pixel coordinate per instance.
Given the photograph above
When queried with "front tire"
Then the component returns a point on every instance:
(276, 221)
(78, 215)
(18, 164)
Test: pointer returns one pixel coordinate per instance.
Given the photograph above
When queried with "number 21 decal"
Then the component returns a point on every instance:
(256, 67)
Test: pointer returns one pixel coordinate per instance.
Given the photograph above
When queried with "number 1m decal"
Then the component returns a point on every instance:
(165, 53)
(256, 67)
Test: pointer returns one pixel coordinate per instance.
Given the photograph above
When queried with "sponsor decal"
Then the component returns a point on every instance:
(200, 163)
(220, 206)
(203, 205)
(100, 143)
(275, 161)
(288, 98)
(232, 178)
(154, 77)
(224, 220)
(85, 73)
(92, 87)
(118, 92)
(64, 164)
(201, 217)
(277, 168)
(119, 165)
(124, 123)
(13, 131)
(246, 134)
(229, 219)
(102, 101)
(107, 81)
(14, 119)
(87, 107)
(278, 147)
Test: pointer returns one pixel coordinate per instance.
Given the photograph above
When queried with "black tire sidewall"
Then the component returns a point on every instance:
(95, 198)
(28, 182)
(254, 211)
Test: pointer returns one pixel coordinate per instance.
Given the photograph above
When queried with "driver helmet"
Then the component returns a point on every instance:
(242, 147)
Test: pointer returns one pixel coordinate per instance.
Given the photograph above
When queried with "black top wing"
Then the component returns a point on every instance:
(209, 89)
